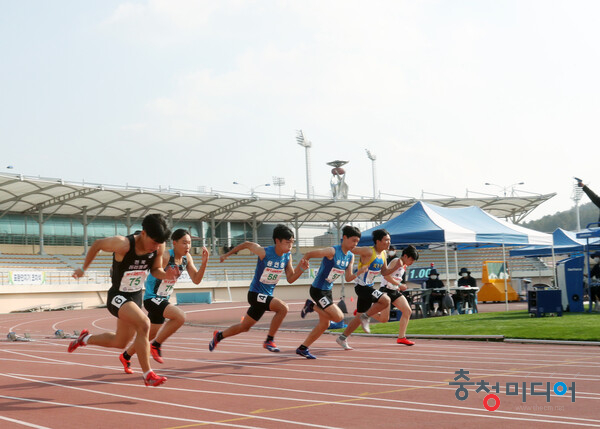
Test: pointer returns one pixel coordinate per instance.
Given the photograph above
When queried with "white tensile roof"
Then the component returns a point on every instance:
(31, 195)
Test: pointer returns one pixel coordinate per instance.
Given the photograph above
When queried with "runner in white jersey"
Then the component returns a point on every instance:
(393, 285)
(133, 257)
(158, 292)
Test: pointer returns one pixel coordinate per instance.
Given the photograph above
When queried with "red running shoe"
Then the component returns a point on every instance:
(270, 346)
(213, 343)
(405, 342)
(78, 342)
(154, 380)
(156, 354)
(126, 364)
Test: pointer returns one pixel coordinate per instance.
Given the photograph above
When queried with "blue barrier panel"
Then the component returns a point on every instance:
(194, 297)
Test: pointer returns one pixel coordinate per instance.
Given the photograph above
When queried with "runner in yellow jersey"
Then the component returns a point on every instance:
(371, 302)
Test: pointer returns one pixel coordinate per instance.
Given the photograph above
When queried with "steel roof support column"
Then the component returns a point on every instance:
(128, 221)
(338, 230)
(85, 230)
(296, 234)
(254, 229)
(228, 234)
(213, 237)
(170, 220)
(201, 234)
(41, 224)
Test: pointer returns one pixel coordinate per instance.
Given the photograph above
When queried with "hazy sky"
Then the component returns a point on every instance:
(447, 94)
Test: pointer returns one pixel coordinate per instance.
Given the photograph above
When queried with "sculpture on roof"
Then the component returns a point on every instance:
(339, 187)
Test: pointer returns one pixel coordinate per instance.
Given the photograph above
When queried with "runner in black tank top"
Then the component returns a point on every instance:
(128, 278)
(156, 297)
(133, 256)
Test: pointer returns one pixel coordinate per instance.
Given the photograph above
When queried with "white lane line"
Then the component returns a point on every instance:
(104, 410)
(516, 415)
(216, 309)
(233, 307)
(21, 422)
(311, 372)
(164, 404)
(14, 328)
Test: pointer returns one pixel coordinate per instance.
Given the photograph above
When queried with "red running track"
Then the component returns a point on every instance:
(240, 384)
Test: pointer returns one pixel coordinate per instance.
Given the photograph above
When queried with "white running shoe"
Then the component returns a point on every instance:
(364, 321)
(343, 343)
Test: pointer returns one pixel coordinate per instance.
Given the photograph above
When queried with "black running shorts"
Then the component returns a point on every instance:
(156, 309)
(366, 297)
(259, 303)
(116, 299)
(323, 298)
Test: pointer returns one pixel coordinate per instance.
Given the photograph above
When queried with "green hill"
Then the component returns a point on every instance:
(567, 219)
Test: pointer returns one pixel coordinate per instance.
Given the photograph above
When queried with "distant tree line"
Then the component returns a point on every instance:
(567, 219)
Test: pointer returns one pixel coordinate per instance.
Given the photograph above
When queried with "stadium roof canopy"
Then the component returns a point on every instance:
(34, 196)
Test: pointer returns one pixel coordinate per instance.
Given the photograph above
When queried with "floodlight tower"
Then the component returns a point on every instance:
(307, 145)
(279, 182)
(372, 157)
(577, 193)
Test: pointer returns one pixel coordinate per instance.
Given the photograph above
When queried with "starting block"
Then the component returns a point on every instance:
(61, 334)
(12, 336)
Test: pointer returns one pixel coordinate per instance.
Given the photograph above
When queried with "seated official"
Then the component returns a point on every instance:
(595, 284)
(467, 297)
(433, 282)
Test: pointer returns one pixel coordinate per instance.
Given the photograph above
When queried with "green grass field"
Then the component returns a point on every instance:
(511, 324)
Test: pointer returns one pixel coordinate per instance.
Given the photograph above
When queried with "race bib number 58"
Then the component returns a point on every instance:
(270, 276)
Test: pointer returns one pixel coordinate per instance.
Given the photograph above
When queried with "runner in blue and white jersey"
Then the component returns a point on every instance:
(370, 302)
(337, 261)
(273, 262)
(158, 292)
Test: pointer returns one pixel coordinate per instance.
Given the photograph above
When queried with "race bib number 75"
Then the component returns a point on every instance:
(133, 281)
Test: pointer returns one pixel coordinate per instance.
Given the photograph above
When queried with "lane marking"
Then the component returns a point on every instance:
(21, 422)
(161, 403)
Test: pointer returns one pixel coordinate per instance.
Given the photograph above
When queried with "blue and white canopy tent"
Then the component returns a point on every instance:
(564, 242)
(425, 223)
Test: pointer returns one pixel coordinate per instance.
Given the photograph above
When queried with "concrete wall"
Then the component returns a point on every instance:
(34, 249)
(17, 297)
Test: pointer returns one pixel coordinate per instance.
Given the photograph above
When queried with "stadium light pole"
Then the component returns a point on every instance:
(372, 157)
(504, 188)
(252, 188)
(577, 194)
(279, 182)
(306, 145)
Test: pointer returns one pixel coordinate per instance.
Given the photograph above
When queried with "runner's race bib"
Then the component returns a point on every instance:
(334, 274)
(165, 288)
(133, 281)
(370, 277)
(270, 276)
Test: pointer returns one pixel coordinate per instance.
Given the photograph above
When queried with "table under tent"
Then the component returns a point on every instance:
(571, 272)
